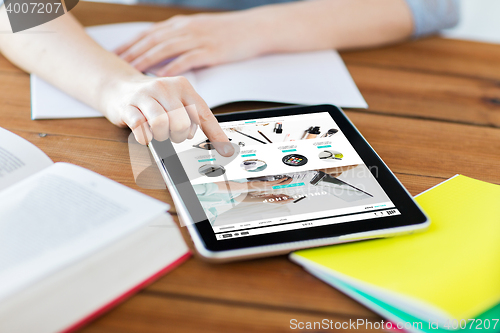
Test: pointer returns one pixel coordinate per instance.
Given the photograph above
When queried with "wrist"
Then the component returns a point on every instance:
(292, 27)
(114, 90)
(276, 27)
(271, 29)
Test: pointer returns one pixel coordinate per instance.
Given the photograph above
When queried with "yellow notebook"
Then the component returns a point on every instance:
(451, 271)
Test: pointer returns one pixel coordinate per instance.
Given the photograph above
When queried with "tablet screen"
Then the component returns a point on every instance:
(291, 172)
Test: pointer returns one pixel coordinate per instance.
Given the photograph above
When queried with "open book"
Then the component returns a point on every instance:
(299, 78)
(72, 242)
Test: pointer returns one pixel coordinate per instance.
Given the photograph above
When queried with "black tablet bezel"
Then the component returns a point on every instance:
(410, 212)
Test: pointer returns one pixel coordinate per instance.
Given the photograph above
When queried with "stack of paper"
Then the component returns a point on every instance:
(447, 276)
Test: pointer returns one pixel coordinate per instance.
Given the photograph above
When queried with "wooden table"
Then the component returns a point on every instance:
(434, 112)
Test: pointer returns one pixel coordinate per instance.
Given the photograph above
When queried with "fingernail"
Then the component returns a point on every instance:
(143, 134)
(228, 149)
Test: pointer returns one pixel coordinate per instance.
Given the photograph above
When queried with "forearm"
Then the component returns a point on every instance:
(62, 53)
(333, 24)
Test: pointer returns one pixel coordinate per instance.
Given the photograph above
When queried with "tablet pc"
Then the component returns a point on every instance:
(301, 176)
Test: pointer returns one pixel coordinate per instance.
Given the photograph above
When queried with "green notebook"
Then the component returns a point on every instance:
(449, 274)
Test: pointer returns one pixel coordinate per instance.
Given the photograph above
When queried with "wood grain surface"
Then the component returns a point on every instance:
(434, 112)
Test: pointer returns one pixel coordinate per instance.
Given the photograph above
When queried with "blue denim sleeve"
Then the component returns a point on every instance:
(430, 16)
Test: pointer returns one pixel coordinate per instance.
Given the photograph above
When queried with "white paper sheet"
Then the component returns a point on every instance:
(19, 159)
(300, 78)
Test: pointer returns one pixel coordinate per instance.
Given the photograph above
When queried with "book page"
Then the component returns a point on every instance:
(61, 215)
(97, 281)
(18, 159)
(319, 77)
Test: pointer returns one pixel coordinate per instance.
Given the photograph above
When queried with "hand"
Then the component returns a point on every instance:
(196, 41)
(162, 108)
